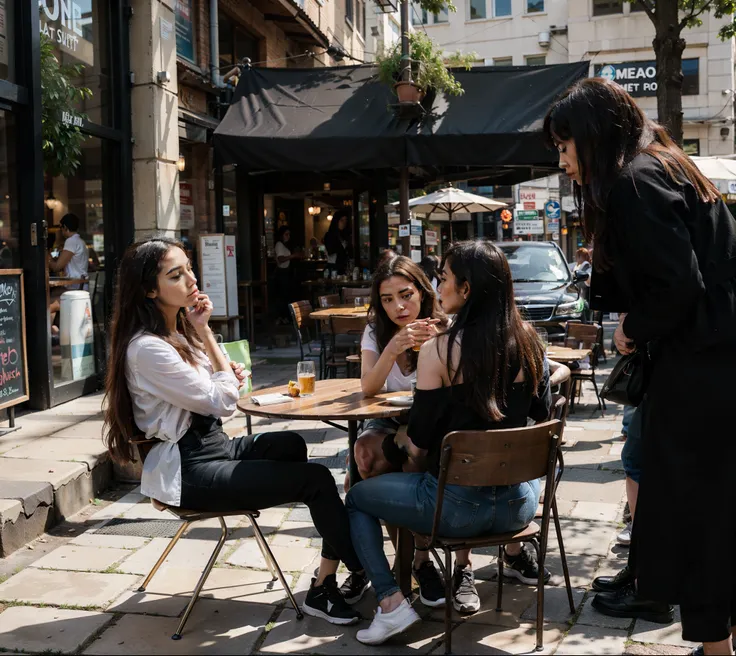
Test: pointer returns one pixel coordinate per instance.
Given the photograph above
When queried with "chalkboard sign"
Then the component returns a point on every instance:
(13, 362)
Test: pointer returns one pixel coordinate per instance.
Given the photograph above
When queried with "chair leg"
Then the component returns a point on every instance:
(164, 555)
(279, 573)
(202, 579)
(248, 425)
(540, 595)
(264, 553)
(448, 601)
(601, 402)
(499, 597)
(563, 557)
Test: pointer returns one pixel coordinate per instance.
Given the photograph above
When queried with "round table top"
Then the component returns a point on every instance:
(353, 283)
(339, 311)
(563, 354)
(332, 399)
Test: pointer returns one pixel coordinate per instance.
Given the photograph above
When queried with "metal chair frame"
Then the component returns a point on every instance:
(188, 518)
(533, 533)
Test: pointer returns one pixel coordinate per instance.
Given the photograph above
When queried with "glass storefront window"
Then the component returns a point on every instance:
(83, 196)
(78, 29)
(7, 40)
(9, 256)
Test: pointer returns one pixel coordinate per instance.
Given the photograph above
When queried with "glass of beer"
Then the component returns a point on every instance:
(306, 377)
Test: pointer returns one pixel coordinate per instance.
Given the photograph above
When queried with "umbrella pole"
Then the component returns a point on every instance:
(449, 216)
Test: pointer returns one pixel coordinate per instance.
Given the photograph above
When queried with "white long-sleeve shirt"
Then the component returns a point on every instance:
(165, 392)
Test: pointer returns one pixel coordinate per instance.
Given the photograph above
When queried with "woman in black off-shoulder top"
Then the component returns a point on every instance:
(488, 371)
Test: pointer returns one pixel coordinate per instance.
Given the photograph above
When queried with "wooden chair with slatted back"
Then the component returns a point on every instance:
(348, 331)
(188, 517)
(301, 323)
(585, 336)
(498, 457)
(349, 294)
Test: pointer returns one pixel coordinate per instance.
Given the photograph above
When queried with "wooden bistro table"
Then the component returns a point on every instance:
(340, 399)
(565, 355)
(55, 283)
(339, 311)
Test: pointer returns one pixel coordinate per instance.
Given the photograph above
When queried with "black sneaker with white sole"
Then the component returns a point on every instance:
(523, 566)
(354, 587)
(431, 585)
(465, 597)
(326, 602)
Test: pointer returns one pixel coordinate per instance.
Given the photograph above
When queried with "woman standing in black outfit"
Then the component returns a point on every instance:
(664, 235)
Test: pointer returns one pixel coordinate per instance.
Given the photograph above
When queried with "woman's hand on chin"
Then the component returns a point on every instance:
(199, 314)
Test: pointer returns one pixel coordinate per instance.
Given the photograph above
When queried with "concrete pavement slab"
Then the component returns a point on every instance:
(591, 617)
(10, 510)
(584, 537)
(556, 605)
(248, 554)
(91, 452)
(315, 636)
(128, 542)
(23, 628)
(119, 507)
(31, 494)
(668, 634)
(593, 640)
(81, 559)
(484, 639)
(187, 553)
(81, 589)
(603, 512)
(640, 649)
(50, 471)
(89, 429)
(591, 485)
(582, 569)
(215, 627)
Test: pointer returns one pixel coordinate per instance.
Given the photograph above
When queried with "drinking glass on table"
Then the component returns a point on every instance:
(306, 376)
(543, 337)
(358, 302)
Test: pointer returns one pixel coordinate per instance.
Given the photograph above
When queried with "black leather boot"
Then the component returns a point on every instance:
(626, 603)
(613, 583)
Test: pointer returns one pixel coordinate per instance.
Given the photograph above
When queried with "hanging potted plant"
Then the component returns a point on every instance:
(429, 69)
(61, 137)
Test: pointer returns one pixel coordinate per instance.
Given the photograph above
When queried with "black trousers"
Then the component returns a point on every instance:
(262, 471)
(709, 622)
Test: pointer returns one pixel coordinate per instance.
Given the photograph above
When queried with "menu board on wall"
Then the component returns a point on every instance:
(13, 362)
(212, 272)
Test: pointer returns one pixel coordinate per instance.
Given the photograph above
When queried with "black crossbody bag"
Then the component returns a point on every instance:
(628, 381)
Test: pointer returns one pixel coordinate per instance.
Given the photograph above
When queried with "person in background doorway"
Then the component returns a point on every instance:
(583, 265)
(284, 273)
(337, 242)
(74, 258)
(430, 266)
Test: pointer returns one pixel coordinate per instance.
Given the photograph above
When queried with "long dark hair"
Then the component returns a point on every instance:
(383, 328)
(280, 233)
(492, 333)
(134, 312)
(609, 130)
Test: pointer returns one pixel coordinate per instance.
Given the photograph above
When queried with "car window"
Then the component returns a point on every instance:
(531, 264)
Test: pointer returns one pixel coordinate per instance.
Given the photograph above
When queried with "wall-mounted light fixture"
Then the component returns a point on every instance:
(329, 217)
(181, 163)
(52, 203)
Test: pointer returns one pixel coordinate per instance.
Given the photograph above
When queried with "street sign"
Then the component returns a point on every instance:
(527, 222)
(552, 209)
(403, 230)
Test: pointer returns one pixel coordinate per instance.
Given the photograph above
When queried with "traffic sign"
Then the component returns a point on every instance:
(552, 209)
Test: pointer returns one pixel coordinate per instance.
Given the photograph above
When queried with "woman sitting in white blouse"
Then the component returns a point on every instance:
(168, 379)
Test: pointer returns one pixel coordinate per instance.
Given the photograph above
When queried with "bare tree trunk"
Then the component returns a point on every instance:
(668, 48)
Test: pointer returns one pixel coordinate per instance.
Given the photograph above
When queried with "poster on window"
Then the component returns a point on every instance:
(186, 206)
(69, 24)
(184, 30)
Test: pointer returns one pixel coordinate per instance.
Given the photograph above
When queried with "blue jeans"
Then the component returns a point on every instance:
(631, 453)
(408, 500)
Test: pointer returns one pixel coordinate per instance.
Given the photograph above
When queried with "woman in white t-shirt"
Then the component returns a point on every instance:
(283, 274)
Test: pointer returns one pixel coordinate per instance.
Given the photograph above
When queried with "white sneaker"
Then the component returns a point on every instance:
(624, 538)
(385, 625)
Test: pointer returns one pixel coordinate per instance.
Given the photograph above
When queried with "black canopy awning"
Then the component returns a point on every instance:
(334, 119)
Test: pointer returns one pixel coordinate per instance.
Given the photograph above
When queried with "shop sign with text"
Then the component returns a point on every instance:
(69, 25)
(640, 78)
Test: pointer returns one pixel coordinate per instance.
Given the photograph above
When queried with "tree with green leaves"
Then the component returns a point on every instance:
(61, 137)
(670, 18)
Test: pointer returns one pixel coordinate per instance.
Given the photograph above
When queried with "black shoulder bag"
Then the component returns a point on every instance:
(628, 381)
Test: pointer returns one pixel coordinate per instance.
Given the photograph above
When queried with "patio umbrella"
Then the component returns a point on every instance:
(450, 201)
(720, 170)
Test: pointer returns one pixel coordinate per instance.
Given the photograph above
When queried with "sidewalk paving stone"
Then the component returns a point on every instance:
(195, 553)
(248, 554)
(81, 589)
(23, 628)
(89, 451)
(50, 471)
(596, 486)
(81, 559)
(556, 606)
(603, 512)
(215, 627)
(584, 537)
(590, 617)
(315, 636)
(486, 640)
(89, 539)
(664, 634)
(90, 429)
(119, 507)
(581, 567)
(593, 640)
